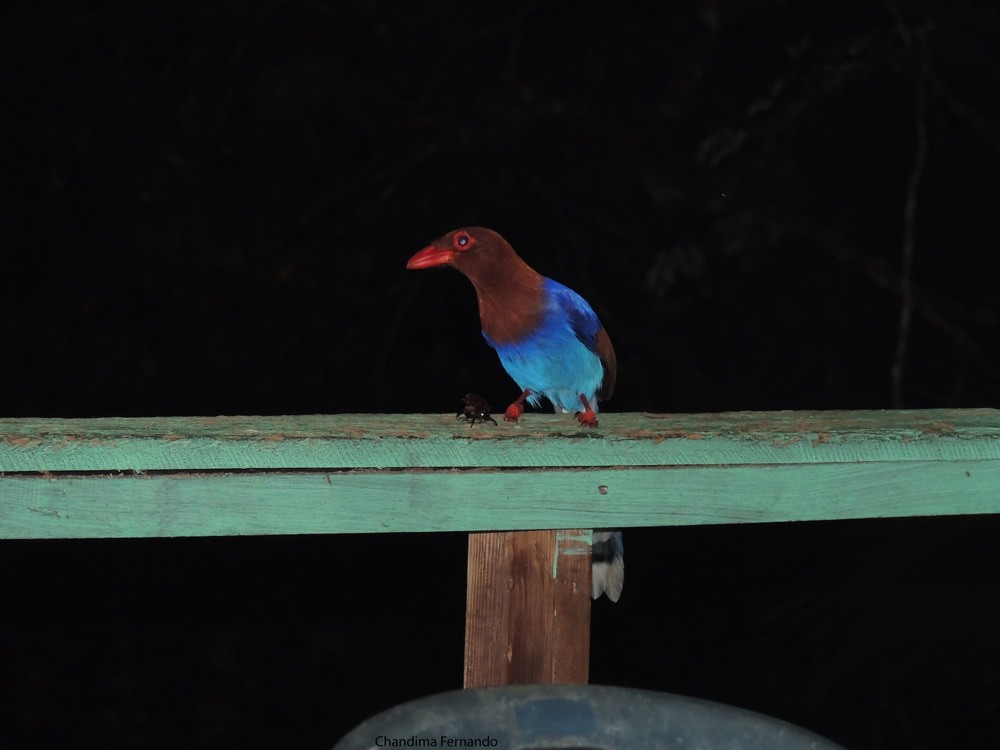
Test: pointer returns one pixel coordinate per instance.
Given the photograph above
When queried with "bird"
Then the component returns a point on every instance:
(549, 341)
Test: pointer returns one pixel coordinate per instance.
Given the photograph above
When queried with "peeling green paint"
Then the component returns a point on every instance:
(360, 473)
(580, 544)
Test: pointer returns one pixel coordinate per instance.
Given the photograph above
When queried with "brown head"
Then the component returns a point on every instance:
(509, 290)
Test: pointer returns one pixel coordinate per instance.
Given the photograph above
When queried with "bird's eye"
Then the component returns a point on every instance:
(463, 241)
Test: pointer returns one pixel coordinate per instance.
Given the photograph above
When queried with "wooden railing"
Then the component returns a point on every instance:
(545, 478)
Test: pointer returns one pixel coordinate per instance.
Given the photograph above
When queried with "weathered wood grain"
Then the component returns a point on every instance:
(405, 473)
(528, 608)
(346, 441)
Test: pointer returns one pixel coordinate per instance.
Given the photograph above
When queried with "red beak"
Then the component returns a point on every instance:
(430, 256)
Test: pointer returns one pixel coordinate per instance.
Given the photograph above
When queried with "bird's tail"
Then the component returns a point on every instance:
(608, 569)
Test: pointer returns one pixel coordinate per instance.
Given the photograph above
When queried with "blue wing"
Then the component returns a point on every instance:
(581, 317)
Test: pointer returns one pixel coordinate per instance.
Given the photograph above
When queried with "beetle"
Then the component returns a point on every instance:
(476, 408)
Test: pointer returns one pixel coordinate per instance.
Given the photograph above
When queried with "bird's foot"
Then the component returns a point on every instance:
(515, 410)
(513, 413)
(587, 417)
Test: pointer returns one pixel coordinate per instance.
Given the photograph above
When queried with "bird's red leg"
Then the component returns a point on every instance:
(587, 417)
(515, 410)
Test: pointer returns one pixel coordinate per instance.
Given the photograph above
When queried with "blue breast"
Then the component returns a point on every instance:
(558, 360)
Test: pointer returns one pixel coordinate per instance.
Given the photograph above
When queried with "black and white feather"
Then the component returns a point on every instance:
(608, 570)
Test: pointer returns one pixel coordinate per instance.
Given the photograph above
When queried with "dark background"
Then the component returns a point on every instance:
(208, 210)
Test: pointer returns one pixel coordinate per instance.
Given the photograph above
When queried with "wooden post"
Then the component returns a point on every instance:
(528, 608)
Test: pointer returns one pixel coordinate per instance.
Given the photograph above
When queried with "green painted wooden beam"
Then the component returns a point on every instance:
(140, 477)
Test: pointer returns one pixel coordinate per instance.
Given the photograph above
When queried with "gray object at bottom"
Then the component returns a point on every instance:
(586, 717)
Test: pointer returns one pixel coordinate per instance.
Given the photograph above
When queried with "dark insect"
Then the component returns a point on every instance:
(476, 408)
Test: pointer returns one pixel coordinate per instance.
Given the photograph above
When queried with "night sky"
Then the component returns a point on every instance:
(209, 208)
